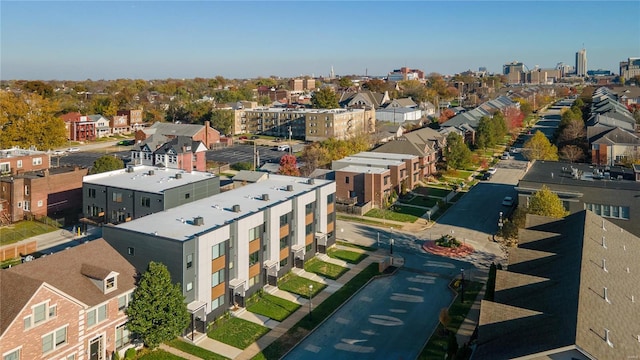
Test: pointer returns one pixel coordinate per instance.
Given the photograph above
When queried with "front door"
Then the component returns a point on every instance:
(95, 349)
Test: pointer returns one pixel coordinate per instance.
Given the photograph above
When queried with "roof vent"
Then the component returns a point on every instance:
(265, 197)
(606, 296)
(289, 187)
(198, 221)
(178, 176)
(130, 169)
(151, 172)
(311, 181)
(604, 265)
(607, 337)
(604, 245)
(236, 208)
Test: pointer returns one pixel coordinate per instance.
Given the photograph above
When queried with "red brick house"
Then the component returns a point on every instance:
(134, 119)
(15, 161)
(79, 127)
(205, 133)
(68, 305)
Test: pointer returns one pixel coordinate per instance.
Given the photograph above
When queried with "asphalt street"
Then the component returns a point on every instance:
(388, 319)
(244, 153)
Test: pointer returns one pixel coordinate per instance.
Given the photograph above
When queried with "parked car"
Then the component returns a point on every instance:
(255, 137)
(486, 176)
(492, 170)
(505, 156)
(508, 201)
(58, 152)
(283, 147)
(73, 149)
(243, 137)
(126, 142)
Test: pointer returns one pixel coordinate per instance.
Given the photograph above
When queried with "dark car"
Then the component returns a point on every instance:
(255, 137)
(126, 142)
(486, 176)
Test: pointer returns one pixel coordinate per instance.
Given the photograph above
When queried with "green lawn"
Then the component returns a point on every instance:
(425, 201)
(348, 244)
(22, 230)
(273, 307)
(351, 257)
(359, 219)
(194, 350)
(458, 174)
(400, 213)
(237, 332)
(331, 271)
(158, 354)
(299, 285)
(437, 345)
(433, 191)
(295, 334)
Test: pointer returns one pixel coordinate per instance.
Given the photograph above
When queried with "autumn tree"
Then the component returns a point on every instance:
(525, 106)
(514, 119)
(445, 115)
(546, 203)
(456, 152)
(413, 89)
(157, 312)
(539, 148)
(376, 85)
(39, 87)
(288, 166)
(490, 130)
(27, 119)
(313, 157)
(106, 163)
(104, 106)
(571, 153)
(325, 98)
(345, 82)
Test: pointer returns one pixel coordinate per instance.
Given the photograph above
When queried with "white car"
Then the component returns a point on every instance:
(508, 201)
(505, 156)
(73, 149)
(492, 171)
(58, 153)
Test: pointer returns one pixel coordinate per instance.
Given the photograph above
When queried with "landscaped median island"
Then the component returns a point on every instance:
(328, 270)
(296, 333)
(447, 245)
(272, 306)
(236, 332)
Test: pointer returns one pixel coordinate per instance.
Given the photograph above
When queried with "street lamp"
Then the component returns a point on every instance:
(310, 306)
(378, 238)
(391, 247)
(462, 286)
(500, 222)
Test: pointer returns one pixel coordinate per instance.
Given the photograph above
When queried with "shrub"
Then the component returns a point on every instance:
(130, 354)
(448, 241)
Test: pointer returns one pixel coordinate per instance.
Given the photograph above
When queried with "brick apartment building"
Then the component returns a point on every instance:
(134, 119)
(79, 127)
(69, 305)
(15, 160)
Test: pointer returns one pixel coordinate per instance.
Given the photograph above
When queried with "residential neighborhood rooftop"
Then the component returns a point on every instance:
(561, 173)
(178, 223)
(384, 156)
(362, 169)
(146, 178)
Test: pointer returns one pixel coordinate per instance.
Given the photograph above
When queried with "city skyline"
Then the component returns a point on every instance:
(153, 40)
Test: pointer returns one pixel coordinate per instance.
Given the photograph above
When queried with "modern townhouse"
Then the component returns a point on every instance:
(126, 194)
(224, 248)
(426, 143)
(412, 165)
(399, 174)
(358, 184)
(67, 306)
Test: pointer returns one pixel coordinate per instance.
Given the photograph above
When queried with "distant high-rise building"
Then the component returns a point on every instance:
(332, 74)
(581, 62)
(630, 68)
(514, 72)
(482, 69)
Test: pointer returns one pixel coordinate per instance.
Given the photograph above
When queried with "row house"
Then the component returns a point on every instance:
(180, 153)
(134, 117)
(69, 305)
(54, 192)
(357, 184)
(226, 247)
(79, 127)
(398, 169)
(425, 143)
(127, 194)
(412, 165)
(103, 125)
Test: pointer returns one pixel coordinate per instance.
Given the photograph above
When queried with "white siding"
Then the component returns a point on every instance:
(203, 261)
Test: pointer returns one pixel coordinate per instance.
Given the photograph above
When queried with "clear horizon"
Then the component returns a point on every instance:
(56, 40)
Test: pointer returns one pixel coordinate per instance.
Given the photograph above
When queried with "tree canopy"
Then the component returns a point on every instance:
(288, 166)
(491, 130)
(540, 148)
(106, 163)
(456, 152)
(27, 119)
(222, 120)
(157, 312)
(325, 98)
(546, 203)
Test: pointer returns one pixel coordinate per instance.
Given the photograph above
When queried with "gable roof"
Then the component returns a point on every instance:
(16, 291)
(555, 299)
(179, 145)
(615, 136)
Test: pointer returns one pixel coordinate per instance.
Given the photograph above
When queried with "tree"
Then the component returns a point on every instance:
(104, 106)
(39, 87)
(325, 98)
(539, 148)
(157, 312)
(525, 106)
(546, 203)
(222, 120)
(28, 119)
(457, 152)
(106, 163)
(314, 156)
(376, 85)
(288, 166)
(345, 82)
(514, 119)
(572, 153)
(445, 115)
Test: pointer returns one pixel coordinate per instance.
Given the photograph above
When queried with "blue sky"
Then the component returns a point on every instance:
(186, 39)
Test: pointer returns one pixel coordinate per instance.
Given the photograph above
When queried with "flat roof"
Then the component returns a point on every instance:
(370, 161)
(384, 156)
(363, 169)
(304, 111)
(140, 180)
(217, 210)
(560, 173)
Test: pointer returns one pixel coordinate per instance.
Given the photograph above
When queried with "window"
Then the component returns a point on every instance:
(117, 197)
(27, 322)
(254, 280)
(124, 300)
(131, 251)
(39, 313)
(216, 303)
(36, 161)
(91, 193)
(189, 261)
(189, 286)
(96, 315)
(254, 258)
(346, 180)
(308, 248)
(123, 336)
(5, 167)
(40, 203)
(19, 164)
(217, 251)
(71, 357)
(284, 219)
(187, 195)
(609, 211)
(308, 209)
(308, 229)
(54, 340)
(26, 189)
(110, 283)
(53, 311)
(284, 242)
(386, 180)
(330, 198)
(14, 355)
(217, 278)
(284, 262)
(256, 232)
(145, 202)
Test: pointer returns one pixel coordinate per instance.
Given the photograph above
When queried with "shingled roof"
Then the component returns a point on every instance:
(552, 299)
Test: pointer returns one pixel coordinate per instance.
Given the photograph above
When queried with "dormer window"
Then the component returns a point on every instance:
(110, 284)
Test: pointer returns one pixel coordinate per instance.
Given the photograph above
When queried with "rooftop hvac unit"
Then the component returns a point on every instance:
(289, 187)
(265, 197)
(198, 221)
(178, 176)
(151, 172)
(236, 208)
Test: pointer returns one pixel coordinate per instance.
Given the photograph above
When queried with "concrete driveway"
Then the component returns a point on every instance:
(391, 318)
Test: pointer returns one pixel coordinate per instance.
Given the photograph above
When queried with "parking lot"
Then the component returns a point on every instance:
(244, 153)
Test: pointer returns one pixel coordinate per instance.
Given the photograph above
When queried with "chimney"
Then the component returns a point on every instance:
(236, 208)
(289, 187)
(198, 221)
(265, 197)
(207, 125)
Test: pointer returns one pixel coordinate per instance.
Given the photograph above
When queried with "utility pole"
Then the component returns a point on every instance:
(290, 145)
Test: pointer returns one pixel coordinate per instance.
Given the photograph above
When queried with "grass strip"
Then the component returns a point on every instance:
(237, 332)
(157, 354)
(294, 335)
(194, 350)
(273, 307)
(299, 285)
(331, 271)
(352, 257)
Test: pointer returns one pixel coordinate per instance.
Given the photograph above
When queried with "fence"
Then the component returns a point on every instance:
(354, 209)
(17, 250)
